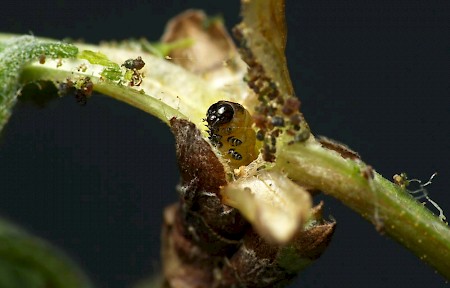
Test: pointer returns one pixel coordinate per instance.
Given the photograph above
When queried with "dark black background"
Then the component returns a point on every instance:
(94, 180)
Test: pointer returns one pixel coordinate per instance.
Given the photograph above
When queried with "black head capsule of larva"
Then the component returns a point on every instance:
(219, 113)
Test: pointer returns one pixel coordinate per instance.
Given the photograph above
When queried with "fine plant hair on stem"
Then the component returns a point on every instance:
(424, 194)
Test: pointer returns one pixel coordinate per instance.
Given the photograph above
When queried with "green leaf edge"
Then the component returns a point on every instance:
(24, 252)
(17, 52)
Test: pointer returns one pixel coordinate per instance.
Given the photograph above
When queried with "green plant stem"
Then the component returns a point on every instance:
(132, 97)
(388, 206)
(167, 90)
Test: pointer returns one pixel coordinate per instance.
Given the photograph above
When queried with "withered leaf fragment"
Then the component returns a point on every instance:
(275, 206)
(340, 148)
(212, 45)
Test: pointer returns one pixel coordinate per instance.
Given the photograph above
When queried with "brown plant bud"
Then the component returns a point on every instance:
(209, 244)
(261, 264)
(202, 176)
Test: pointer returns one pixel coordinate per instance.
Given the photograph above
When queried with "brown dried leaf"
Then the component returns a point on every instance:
(340, 148)
(313, 242)
(213, 53)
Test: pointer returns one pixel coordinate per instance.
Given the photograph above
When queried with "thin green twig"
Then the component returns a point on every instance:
(388, 206)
